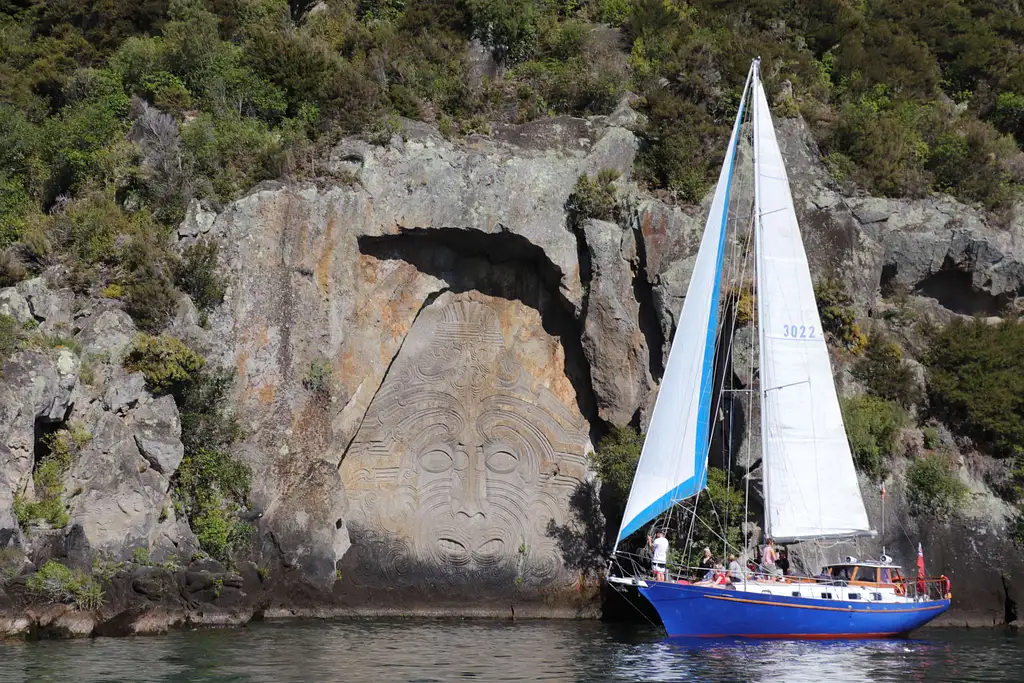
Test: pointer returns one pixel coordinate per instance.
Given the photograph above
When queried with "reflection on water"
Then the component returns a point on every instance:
(504, 651)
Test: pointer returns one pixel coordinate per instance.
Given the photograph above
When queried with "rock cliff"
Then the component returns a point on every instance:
(470, 343)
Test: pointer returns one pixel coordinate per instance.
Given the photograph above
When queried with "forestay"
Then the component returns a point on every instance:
(810, 484)
(673, 462)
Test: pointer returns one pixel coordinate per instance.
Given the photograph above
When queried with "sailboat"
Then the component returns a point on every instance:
(809, 482)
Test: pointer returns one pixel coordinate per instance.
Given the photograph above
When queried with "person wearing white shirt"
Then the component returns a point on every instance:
(659, 554)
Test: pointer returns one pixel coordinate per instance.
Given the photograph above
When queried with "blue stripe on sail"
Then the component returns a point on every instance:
(686, 489)
(698, 481)
(708, 370)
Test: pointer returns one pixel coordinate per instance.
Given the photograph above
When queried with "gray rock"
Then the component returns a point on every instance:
(157, 429)
(612, 340)
(124, 392)
(119, 500)
(107, 332)
(198, 220)
(52, 307)
(35, 387)
(12, 303)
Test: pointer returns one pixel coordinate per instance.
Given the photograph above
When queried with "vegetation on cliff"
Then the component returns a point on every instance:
(210, 487)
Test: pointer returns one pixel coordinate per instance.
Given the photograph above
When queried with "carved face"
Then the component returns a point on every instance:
(461, 463)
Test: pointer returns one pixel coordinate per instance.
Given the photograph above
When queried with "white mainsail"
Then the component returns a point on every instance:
(810, 483)
(673, 462)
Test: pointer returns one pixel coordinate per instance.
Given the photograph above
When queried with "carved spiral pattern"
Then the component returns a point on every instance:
(450, 475)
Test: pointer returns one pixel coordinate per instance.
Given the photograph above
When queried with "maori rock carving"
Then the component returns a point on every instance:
(465, 457)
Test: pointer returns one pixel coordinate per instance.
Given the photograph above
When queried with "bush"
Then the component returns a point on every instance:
(931, 438)
(884, 372)
(197, 275)
(933, 487)
(62, 448)
(715, 506)
(318, 377)
(976, 382)
(872, 426)
(509, 27)
(58, 583)
(212, 487)
(616, 458)
(595, 198)
(10, 334)
(838, 317)
(165, 361)
(12, 561)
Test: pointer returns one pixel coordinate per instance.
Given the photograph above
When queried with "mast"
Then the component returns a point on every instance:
(756, 146)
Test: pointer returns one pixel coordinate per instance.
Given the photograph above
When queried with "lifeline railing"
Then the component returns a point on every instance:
(630, 564)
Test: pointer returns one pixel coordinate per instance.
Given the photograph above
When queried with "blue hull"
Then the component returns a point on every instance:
(694, 611)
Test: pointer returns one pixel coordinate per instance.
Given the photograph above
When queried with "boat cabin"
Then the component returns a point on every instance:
(865, 573)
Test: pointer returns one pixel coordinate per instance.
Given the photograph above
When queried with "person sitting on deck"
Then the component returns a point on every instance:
(707, 562)
(783, 562)
(659, 554)
(735, 571)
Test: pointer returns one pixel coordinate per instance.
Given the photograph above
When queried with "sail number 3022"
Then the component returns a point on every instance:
(798, 331)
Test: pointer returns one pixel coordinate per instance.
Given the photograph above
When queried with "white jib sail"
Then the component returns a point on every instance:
(673, 462)
(810, 483)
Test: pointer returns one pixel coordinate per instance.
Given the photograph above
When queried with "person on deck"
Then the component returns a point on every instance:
(769, 559)
(659, 554)
(783, 562)
(707, 562)
(735, 571)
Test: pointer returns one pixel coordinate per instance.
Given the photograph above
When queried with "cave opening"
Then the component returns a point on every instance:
(954, 289)
(503, 265)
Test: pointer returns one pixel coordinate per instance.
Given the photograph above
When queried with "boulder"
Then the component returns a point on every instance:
(107, 332)
(53, 308)
(124, 392)
(12, 303)
(613, 342)
(157, 430)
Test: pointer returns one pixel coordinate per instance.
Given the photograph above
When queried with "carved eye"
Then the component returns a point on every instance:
(502, 462)
(436, 461)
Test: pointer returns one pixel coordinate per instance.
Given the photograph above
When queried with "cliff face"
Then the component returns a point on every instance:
(426, 349)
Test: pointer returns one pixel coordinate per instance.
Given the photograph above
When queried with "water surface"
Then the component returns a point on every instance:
(503, 651)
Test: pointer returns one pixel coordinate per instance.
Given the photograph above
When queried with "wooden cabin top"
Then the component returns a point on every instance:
(864, 572)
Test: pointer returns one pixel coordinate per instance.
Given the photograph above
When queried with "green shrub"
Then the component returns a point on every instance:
(166, 361)
(931, 438)
(838, 317)
(976, 382)
(595, 198)
(1009, 114)
(720, 507)
(933, 487)
(872, 426)
(58, 583)
(511, 28)
(212, 488)
(12, 561)
(615, 460)
(10, 335)
(884, 372)
(62, 447)
(197, 275)
(318, 377)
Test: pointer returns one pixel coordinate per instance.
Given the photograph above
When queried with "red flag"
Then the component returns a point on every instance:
(883, 490)
(920, 571)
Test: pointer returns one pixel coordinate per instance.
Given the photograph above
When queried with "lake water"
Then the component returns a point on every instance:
(503, 651)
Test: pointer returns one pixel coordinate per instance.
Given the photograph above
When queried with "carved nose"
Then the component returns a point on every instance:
(470, 490)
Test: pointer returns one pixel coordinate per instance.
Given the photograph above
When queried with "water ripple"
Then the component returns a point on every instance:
(441, 651)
